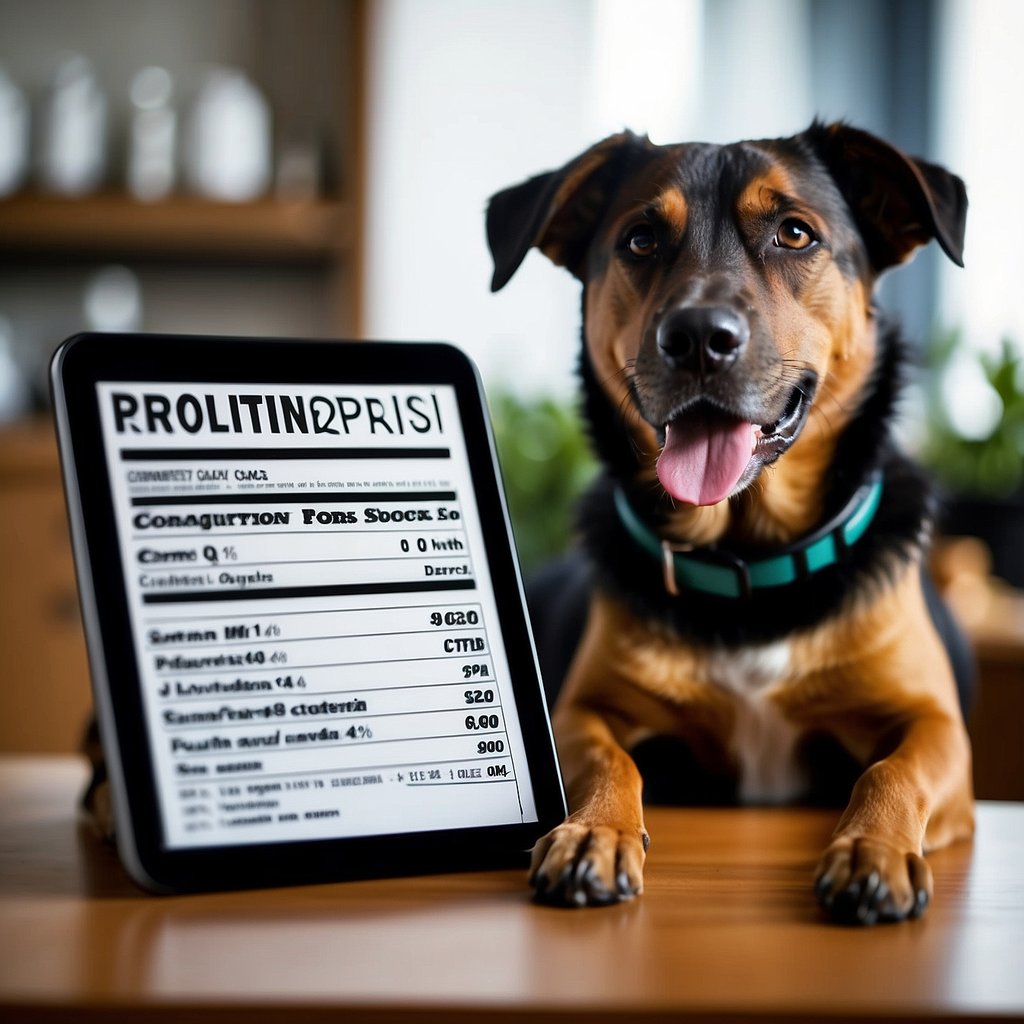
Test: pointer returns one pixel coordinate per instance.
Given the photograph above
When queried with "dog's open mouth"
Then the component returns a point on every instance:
(709, 454)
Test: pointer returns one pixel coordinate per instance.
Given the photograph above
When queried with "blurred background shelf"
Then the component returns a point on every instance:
(117, 227)
(285, 261)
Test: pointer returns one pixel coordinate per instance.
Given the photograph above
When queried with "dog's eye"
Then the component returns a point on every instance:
(641, 241)
(793, 234)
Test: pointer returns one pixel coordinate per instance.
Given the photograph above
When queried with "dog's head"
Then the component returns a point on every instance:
(728, 288)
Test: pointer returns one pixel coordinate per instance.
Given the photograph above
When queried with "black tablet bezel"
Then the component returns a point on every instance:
(86, 359)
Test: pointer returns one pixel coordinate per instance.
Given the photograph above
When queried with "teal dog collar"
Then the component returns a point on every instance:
(719, 572)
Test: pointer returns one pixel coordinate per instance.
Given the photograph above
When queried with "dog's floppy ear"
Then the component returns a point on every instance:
(556, 211)
(898, 201)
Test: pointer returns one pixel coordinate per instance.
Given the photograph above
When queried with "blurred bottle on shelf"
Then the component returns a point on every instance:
(228, 144)
(113, 300)
(15, 395)
(298, 177)
(74, 130)
(152, 135)
(14, 135)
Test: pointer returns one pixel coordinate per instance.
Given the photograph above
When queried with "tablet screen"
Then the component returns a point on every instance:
(319, 648)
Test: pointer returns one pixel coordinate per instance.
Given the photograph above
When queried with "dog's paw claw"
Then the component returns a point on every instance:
(577, 866)
(626, 889)
(921, 900)
(865, 882)
(545, 889)
(823, 888)
(864, 902)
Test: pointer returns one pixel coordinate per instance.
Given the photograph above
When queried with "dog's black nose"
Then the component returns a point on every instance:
(702, 339)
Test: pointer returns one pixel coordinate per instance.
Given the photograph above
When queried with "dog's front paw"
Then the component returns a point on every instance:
(579, 865)
(864, 881)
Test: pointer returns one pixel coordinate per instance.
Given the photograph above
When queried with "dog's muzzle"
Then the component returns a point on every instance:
(718, 398)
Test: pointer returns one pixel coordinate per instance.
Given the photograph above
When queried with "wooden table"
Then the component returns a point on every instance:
(726, 931)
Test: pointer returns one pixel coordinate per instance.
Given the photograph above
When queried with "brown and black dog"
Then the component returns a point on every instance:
(756, 537)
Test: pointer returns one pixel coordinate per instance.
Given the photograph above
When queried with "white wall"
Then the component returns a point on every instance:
(982, 138)
(467, 97)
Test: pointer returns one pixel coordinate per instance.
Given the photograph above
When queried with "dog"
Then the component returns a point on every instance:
(755, 535)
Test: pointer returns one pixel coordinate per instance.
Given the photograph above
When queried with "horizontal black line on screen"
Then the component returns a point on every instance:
(430, 607)
(457, 782)
(278, 498)
(331, 744)
(330, 590)
(230, 454)
(191, 645)
(351, 770)
(255, 669)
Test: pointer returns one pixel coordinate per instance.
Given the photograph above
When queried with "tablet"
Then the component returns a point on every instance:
(310, 653)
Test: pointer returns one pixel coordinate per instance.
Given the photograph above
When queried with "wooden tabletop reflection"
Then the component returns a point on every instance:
(726, 929)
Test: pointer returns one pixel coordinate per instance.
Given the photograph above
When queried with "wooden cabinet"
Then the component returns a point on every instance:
(46, 698)
(997, 721)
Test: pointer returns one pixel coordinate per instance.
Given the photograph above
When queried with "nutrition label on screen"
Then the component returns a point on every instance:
(317, 635)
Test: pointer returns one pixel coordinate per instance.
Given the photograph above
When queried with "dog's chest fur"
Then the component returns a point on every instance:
(763, 742)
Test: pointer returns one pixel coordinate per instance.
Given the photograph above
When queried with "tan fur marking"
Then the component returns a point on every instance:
(617, 314)
(672, 206)
(763, 192)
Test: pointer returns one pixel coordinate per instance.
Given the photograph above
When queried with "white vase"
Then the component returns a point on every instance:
(228, 152)
(74, 130)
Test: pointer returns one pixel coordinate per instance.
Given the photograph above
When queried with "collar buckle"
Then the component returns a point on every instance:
(668, 564)
(712, 571)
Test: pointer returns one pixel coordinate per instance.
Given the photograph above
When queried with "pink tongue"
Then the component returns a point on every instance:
(704, 458)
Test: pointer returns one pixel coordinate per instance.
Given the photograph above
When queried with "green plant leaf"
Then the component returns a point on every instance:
(545, 463)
